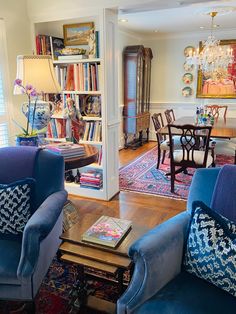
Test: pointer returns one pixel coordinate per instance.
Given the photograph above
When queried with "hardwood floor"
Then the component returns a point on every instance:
(144, 209)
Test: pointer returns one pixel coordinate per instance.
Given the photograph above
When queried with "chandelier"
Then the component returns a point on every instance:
(212, 56)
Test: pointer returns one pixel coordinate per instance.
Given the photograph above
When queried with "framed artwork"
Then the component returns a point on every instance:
(77, 34)
(91, 106)
(220, 83)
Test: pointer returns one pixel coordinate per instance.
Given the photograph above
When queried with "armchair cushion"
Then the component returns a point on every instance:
(15, 205)
(188, 294)
(8, 265)
(211, 248)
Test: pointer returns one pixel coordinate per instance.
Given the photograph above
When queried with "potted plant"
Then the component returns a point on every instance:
(37, 114)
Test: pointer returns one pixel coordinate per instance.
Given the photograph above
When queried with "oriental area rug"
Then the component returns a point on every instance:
(54, 296)
(142, 176)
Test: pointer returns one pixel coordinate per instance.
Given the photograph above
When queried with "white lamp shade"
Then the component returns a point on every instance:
(38, 71)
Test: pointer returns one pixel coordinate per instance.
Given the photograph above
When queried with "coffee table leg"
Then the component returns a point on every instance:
(120, 278)
(79, 292)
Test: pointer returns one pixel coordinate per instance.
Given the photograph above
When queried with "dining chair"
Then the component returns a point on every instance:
(170, 116)
(194, 151)
(162, 143)
(217, 111)
(222, 146)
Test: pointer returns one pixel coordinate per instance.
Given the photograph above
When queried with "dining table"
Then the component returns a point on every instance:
(222, 128)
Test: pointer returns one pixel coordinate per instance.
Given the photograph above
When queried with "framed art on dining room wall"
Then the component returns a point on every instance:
(221, 83)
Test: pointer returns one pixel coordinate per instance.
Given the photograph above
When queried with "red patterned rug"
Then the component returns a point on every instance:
(142, 176)
(54, 295)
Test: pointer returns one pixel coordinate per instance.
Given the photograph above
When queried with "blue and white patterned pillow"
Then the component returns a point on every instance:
(15, 206)
(211, 248)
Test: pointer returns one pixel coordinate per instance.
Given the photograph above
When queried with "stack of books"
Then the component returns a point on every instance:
(66, 150)
(91, 179)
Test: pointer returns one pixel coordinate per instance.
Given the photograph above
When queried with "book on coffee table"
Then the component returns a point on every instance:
(107, 231)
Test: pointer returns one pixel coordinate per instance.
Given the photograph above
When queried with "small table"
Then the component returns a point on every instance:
(222, 128)
(90, 156)
(114, 261)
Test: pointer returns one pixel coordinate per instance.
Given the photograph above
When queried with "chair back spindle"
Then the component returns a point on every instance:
(170, 116)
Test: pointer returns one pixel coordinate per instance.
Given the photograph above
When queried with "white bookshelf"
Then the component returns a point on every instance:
(106, 23)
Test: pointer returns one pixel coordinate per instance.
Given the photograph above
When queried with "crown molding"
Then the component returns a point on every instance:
(130, 33)
(199, 35)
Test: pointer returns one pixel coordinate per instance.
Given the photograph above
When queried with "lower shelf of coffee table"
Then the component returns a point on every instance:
(89, 263)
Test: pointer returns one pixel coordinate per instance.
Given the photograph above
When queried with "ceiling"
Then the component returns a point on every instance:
(170, 16)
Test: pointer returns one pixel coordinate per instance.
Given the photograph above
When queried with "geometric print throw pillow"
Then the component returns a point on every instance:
(210, 252)
(15, 206)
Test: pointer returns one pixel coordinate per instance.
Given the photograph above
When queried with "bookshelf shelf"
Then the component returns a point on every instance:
(72, 92)
(72, 61)
(73, 188)
(95, 166)
(89, 86)
(86, 118)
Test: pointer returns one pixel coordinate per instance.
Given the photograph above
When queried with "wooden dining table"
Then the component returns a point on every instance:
(222, 128)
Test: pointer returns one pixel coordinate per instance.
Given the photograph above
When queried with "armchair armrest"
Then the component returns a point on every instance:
(158, 258)
(37, 228)
(202, 186)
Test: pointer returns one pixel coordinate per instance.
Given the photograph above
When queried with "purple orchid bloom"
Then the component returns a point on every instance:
(18, 82)
(28, 87)
(33, 93)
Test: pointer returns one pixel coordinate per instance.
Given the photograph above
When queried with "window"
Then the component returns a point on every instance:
(4, 90)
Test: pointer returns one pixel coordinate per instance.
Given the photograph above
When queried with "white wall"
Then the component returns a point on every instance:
(125, 39)
(167, 72)
(14, 14)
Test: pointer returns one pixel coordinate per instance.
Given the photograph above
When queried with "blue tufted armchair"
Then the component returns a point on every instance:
(25, 259)
(159, 284)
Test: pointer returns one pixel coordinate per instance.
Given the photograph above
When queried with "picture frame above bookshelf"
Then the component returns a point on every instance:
(78, 33)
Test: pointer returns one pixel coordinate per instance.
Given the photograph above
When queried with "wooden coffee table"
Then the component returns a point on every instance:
(113, 261)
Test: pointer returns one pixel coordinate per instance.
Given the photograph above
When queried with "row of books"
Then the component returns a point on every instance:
(49, 45)
(79, 77)
(67, 150)
(56, 128)
(91, 179)
(93, 131)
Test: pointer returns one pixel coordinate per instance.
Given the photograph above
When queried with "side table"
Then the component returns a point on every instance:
(113, 261)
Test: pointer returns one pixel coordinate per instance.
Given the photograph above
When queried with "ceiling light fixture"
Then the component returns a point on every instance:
(123, 20)
(212, 55)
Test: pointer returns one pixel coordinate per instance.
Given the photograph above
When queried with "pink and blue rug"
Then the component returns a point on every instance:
(142, 176)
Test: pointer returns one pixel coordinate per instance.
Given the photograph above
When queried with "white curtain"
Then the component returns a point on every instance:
(5, 107)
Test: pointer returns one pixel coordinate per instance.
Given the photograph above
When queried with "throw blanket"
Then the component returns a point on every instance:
(17, 163)
(224, 195)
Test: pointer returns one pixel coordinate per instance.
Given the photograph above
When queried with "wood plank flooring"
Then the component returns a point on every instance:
(143, 209)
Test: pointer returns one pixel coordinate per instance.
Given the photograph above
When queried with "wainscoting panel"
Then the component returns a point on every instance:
(180, 108)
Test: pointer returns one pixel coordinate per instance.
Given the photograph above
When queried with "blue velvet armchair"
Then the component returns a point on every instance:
(159, 284)
(25, 260)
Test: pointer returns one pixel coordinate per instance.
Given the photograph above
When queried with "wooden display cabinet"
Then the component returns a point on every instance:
(137, 81)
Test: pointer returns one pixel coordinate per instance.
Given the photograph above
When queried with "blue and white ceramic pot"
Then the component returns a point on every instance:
(27, 140)
(42, 114)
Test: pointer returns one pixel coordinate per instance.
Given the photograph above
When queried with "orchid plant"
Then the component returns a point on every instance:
(30, 92)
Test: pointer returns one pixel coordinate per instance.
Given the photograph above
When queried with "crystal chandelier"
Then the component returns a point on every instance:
(212, 55)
